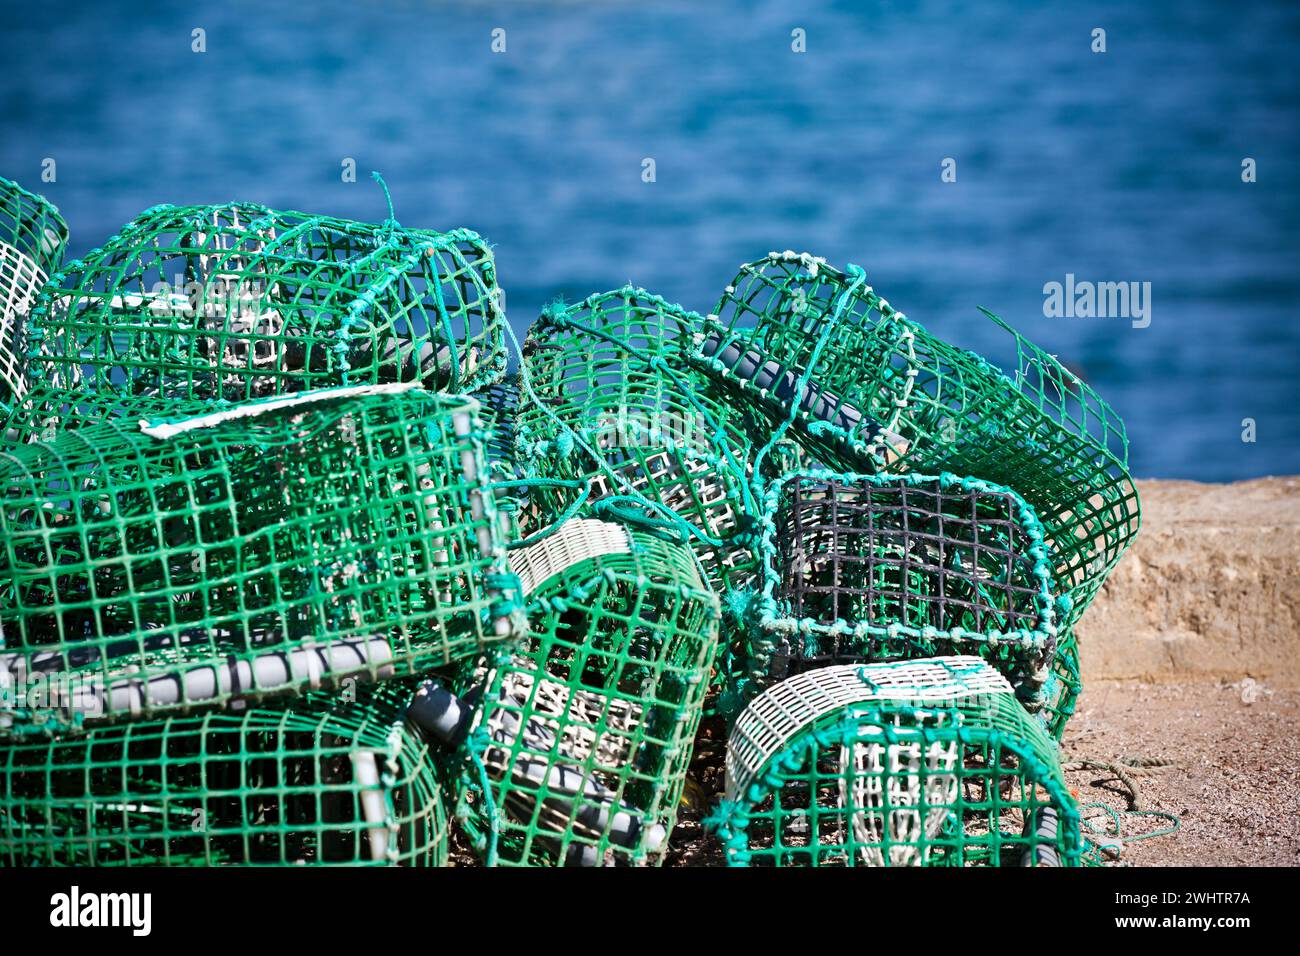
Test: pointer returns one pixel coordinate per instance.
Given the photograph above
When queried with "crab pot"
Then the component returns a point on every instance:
(240, 302)
(918, 763)
(620, 410)
(884, 395)
(861, 568)
(333, 779)
(32, 239)
(584, 734)
(261, 549)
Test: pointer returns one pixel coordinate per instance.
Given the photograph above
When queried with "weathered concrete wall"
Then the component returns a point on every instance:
(1211, 587)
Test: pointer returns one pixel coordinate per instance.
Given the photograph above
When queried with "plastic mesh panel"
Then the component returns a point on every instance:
(860, 568)
(264, 548)
(586, 733)
(237, 302)
(32, 239)
(332, 780)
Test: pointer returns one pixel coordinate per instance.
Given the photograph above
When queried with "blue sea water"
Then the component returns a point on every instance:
(1116, 166)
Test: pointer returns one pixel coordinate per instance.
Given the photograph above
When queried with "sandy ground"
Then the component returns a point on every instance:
(1234, 777)
(1231, 772)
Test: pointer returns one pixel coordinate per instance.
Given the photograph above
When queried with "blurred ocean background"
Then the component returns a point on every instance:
(1122, 166)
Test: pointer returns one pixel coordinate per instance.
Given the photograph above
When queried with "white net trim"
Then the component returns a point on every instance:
(577, 540)
(782, 711)
(884, 783)
(20, 280)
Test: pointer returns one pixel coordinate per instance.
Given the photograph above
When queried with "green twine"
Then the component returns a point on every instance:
(476, 744)
(1115, 819)
(630, 492)
(671, 525)
(392, 216)
(801, 386)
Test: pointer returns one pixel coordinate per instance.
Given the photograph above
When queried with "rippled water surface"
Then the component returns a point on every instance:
(1122, 166)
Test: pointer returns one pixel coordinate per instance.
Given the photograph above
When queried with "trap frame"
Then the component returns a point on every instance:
(33, 237)
(584, 733)
(331, 780)
(861, 568)
(255, 550)
(630, 429)
(867, 389)
(238, 302)
(916, 763)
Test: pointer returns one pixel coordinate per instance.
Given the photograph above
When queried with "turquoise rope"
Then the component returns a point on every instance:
(489, 805)
(801, 386)
(1116, 822)
(525, 380)
(656, 362)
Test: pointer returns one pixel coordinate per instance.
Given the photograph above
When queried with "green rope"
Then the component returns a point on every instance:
(489, 805)
(801, 385)
(629, 491)
(392, 216)
(674, 525)
(1116, 831)
(1124, 772)
(656, 362)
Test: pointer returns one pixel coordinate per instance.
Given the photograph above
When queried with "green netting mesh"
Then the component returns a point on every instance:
(42, 413)
(619, 414)
(821, 772)
(585, 732)
(864, 568)
(262, 548)
(335, 779)
(238, 302)
(869, 389)
(32, 239)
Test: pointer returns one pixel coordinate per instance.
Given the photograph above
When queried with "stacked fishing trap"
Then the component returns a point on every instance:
(293, 573)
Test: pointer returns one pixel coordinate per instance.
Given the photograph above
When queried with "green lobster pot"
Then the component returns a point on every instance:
(580, 745)
(332, 780)
(32, 239)
(918, 763)
(261, 549)
(622, 419)
(240, 302)
(860, 568)
(869, 390)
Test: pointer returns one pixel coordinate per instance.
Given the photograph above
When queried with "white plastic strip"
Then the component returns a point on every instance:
(165, 430)
(782, 711)
(577, 540)
(366, 773)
